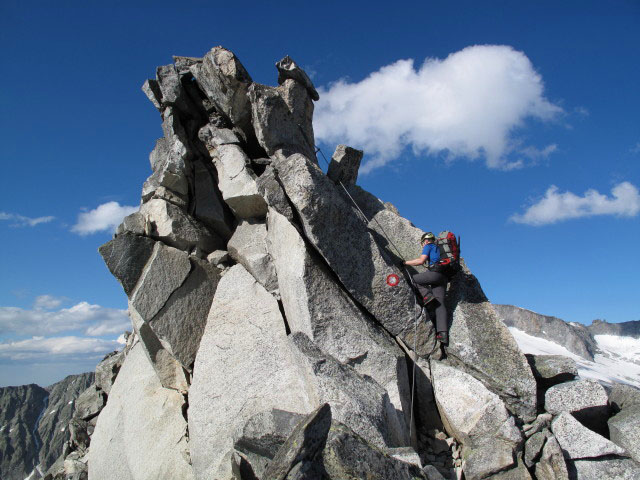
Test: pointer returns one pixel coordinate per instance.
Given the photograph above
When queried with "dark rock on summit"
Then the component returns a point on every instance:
(576, 338)
(623, 329)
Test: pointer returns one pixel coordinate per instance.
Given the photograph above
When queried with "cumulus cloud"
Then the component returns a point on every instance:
(22, 221)
(55, 348)
(467, 105)
(556, 206)
(104, 217)
(48, 302)
(93, 320)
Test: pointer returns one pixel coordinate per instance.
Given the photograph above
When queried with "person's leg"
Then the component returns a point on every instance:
(422, 281)
(441, 310)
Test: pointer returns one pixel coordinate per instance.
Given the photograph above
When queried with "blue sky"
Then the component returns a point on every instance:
(514, 124)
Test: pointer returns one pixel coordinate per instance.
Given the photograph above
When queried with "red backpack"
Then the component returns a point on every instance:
(449, 247)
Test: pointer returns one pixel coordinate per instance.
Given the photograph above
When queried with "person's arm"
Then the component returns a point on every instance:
(416, 261)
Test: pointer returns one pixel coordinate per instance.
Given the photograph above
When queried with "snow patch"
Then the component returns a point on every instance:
(627, 348)
(614, 365)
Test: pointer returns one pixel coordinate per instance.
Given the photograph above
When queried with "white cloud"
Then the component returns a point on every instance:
(104, 217)
(556, 206)
(94, 320)
(39, 347)
(22, 221)
(47, 302)
(467, 105)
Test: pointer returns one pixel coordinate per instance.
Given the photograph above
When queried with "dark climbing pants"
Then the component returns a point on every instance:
(438, 283)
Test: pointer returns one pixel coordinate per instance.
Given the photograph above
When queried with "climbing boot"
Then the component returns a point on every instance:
(443, 338)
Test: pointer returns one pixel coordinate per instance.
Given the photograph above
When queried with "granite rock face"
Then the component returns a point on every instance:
(244, 353)
(316, 306)
(141, 433)
(267, 342)
(482, 345)
(322, 448)
(624, 429)
(478, 419)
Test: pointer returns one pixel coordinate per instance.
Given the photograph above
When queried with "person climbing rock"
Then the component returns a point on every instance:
(432, 284)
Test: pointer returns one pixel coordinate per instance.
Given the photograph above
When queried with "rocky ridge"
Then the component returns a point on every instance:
(267, 343)
(34, 425)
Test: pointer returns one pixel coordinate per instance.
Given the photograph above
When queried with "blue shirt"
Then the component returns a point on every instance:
(432, 252)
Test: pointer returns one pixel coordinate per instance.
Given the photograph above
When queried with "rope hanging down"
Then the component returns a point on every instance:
(406, 271)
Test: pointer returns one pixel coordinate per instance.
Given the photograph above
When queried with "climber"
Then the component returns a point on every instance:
(432, 284)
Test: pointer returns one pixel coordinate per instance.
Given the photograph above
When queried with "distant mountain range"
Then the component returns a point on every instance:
(34, 423)
(607, 352)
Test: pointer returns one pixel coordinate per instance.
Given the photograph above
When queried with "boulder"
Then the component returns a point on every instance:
(209, 205)
(89, 403)
(173, 94)
(173, 226)
(519, 472)
(213, 137)
(541, 422)
(623, 396)
(274, 195)
(586, 399)
(248, 246)
(482, 345)
(244, 366)
(225, 82)
(107, 370)
(301, 107)
(279, 117)
(478, 419)
(533, 447)
(550, 370)
(317, 306)
(577, 441)
(263, 435)
(344, 165)
(551, 465)
(288, 69)
(180, 323)
(302, 446)
(141, 432)
(152, 90)
(170, 372)
(358, 401)
(165, 271)
(349, 249)
(237, 182)
(134, 223)
(624, 429)
(405, 454)
(321, 447)
(125, 257)
(605, 468)
(218, 257)
(173, 182)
